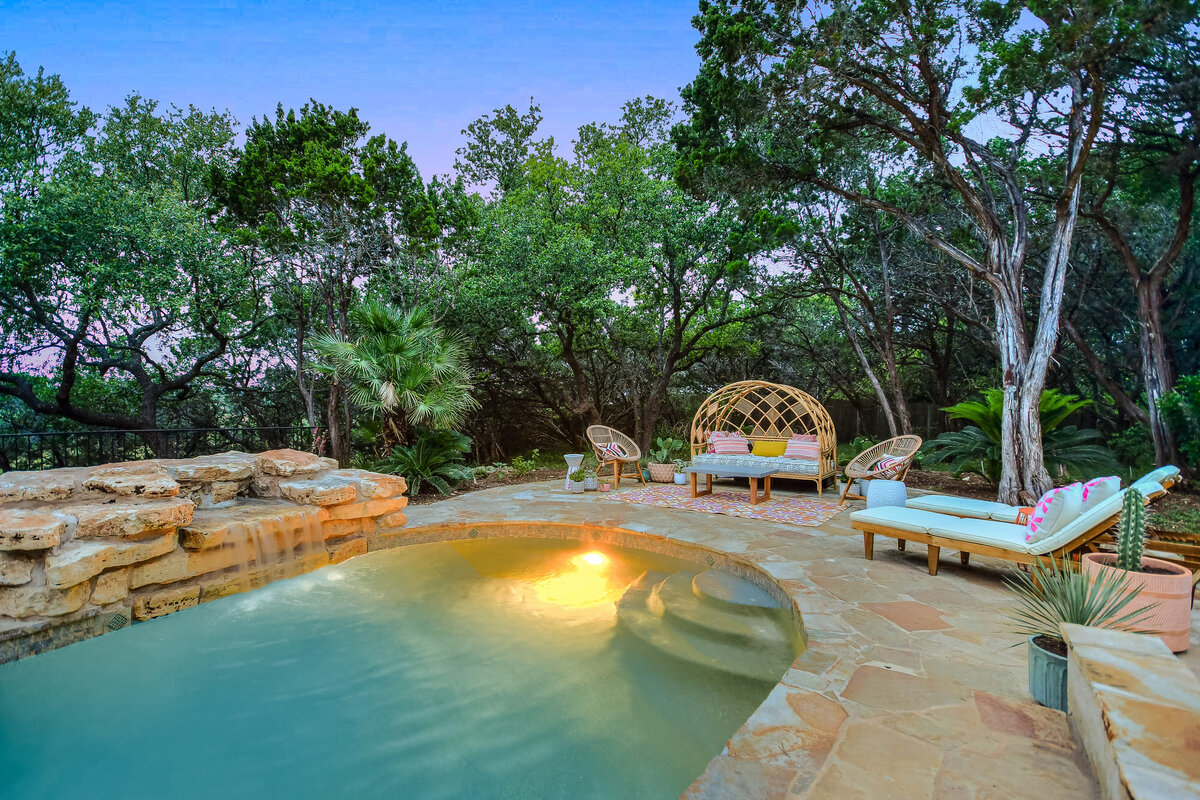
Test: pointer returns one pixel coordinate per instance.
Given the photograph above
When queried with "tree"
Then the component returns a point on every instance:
(323, 209)
(401, 367)
(109, 270)
(792, 94)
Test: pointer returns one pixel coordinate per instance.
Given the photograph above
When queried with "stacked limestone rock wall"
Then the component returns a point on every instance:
(87, 550)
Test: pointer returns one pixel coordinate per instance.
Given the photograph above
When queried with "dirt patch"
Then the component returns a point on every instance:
(946, 483)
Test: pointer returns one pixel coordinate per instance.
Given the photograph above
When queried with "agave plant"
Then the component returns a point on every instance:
(976, 448)
(402, 367)
(1049, 595)
(436, 457)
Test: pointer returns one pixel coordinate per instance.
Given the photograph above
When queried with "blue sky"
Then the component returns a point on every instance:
(419, 72)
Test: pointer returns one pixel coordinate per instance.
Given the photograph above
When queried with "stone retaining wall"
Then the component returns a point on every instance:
(90, 549)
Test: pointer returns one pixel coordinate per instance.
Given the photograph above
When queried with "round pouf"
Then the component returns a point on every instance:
(574, 461)
(886, 493)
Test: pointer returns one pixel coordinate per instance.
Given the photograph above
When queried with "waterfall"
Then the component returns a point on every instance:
(271, 548)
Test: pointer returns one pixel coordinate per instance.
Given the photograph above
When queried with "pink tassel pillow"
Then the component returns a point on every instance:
(724, 443)
(1054, 511)
(1097, 491)
(803, 445)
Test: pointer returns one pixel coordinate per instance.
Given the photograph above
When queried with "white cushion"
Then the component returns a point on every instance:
(1004, 535)
(1055, 509)
(1160, 476)
(965, 507)
(900, 518)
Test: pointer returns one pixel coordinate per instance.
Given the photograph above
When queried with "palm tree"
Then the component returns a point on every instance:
(402, 367)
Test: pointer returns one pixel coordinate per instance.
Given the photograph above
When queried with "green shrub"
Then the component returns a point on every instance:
(976, 448)
(665, 450)
(1181, 409)
(437, 457)
(522, 465)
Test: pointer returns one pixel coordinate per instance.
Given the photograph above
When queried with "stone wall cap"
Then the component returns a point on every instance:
(1110, 639)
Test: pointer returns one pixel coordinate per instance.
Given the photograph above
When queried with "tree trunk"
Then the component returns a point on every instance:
(1156, 366)
(1023, 476)
(880, 394)
(337, 440)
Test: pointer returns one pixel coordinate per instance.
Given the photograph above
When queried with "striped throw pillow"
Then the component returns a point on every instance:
(613, 452)
(888, 465)
(803, 445)
(1054, 511)
(724, 443)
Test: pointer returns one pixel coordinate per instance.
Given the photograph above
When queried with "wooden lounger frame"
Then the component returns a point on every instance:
(1085, 541)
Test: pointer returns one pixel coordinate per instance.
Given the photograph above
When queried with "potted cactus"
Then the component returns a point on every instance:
(1151, 582)
(1049, 595)
(576, 481)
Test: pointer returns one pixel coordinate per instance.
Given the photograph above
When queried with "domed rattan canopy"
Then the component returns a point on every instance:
(772, 412)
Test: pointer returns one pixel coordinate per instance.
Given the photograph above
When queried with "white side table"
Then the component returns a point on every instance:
(886, 493)
(574, 462)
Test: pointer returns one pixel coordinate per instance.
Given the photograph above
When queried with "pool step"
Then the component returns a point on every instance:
(664, 612)
(674, 599)
(734, 593)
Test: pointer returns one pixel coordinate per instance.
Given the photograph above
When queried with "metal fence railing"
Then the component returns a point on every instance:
(52, 449)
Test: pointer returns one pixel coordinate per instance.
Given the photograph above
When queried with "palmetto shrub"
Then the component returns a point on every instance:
(976, 448)
(436, 458)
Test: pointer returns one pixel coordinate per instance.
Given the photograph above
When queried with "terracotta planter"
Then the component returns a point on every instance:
(661, 473)
(1173, 594)
(1047, 677)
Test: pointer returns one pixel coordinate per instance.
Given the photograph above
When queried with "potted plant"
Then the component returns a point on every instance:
(1049, 595)
(660, 465)
(575, 481)
(1150, 581)
(605, 486)
(592, 481)
(680, 476)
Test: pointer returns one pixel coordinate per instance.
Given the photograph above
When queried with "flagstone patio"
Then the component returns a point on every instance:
(911, 686)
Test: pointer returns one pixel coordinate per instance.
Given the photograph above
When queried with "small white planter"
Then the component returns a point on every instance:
(681, 478)
(575, 487)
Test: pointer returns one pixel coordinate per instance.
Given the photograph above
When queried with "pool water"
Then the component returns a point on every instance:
(479, 669)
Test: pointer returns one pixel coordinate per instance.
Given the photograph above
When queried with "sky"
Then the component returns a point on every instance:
(417, 71)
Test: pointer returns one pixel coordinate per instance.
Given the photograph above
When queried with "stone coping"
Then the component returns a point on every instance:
(911, 685)
(1136, 710)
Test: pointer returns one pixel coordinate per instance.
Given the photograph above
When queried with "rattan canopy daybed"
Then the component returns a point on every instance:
(770, 412)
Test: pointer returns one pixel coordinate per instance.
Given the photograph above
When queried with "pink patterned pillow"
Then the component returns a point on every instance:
(888, 465)
(1054, 511)
(803, 446)
(1097, 491)
(613, 451)
(724, 443)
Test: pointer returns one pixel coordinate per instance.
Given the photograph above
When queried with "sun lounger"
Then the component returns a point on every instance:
(990, 537)
(985, 509)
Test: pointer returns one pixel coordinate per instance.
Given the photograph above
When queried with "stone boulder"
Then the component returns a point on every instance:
(15, 569)
(325, 490)
(132, 479)
(130, 519)
(46, 486)
(231, 466)
(76, 562)
(31, 530)
(287, 463)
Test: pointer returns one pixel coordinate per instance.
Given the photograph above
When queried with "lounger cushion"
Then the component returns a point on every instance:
(1056, 508)
(900, 518)
(1157, 477)
(1004, 535)
(965, 507)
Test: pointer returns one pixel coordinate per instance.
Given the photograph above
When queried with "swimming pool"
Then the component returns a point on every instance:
(493, 668)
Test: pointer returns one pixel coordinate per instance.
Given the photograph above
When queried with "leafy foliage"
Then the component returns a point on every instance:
(437, 457)
(1049, 595)
(402, 367)
(664, 450)
(976, 448)
(1181, 407)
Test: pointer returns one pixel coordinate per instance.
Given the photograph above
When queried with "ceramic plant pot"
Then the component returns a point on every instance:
(661, 473)
(681, 478)
(1047, 677)
(591, 482)
(575, 487)
(1171, 590)
(606, 486)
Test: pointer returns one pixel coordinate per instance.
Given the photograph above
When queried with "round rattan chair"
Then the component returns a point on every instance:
(600, 435)
(862, 466)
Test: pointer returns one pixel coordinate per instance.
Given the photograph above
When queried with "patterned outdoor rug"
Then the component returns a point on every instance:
(786, 509)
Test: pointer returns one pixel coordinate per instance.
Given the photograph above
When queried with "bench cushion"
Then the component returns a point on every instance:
(965, 507)
(1004, 535)
(796, 466)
